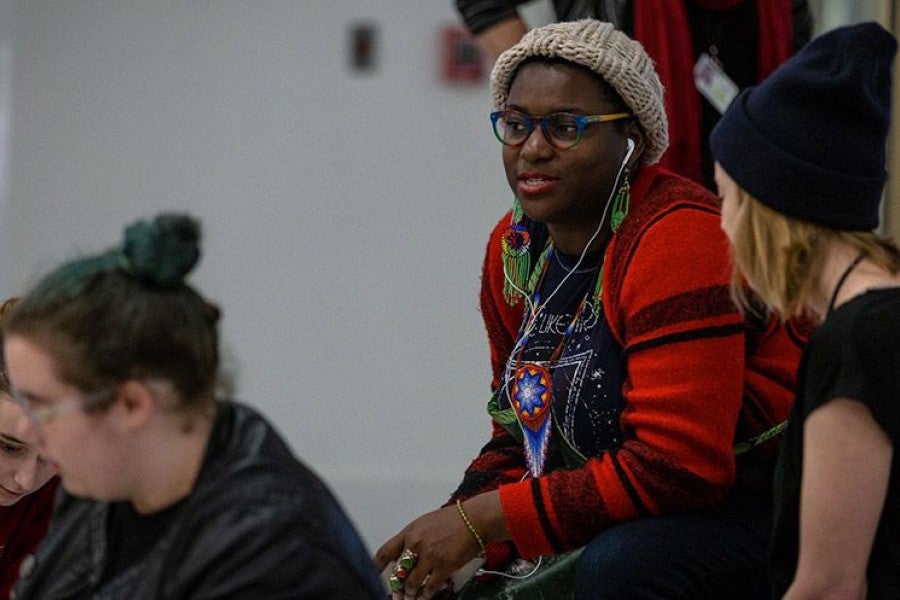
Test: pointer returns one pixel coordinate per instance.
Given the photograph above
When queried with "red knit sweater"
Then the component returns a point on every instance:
(697, 379)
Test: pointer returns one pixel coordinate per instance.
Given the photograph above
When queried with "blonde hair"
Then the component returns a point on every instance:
(781, 258)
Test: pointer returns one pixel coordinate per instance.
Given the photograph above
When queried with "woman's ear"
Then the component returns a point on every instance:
(135, 404)
(636, 135)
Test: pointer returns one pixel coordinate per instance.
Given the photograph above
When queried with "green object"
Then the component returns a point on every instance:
(745, 447)
(395, 583)
(621, 204)
(553, 580)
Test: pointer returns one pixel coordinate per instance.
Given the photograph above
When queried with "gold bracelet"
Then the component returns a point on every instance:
(469, 526)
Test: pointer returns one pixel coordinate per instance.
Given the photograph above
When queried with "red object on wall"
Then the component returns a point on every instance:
(461, 60)
(363, 46)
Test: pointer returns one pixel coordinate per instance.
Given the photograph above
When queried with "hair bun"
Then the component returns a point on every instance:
(161, 252)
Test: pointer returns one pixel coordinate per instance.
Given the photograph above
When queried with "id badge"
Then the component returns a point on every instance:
(715, 85)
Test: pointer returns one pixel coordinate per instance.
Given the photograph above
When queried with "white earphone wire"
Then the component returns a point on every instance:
(533, 310)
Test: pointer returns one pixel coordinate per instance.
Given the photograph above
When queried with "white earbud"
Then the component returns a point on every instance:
(628, 152)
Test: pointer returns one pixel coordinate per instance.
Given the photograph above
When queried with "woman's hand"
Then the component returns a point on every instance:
(442, 544)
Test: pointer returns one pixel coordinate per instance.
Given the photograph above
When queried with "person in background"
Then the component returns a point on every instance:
(27, 485)
(631, 401)
(801, 169)
(745, 39)
(170, 493)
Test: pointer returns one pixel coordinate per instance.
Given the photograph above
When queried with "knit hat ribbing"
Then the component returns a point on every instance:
(810, 140)
(598, 46)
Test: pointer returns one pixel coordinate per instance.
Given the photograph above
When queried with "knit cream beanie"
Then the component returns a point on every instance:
(618, 59)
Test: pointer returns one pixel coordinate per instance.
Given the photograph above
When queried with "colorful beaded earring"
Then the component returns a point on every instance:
(621, 203)
(516, 246)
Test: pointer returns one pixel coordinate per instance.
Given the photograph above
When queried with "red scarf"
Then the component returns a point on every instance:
(662, 27)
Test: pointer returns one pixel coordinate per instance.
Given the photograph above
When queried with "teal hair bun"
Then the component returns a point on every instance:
(161, 252)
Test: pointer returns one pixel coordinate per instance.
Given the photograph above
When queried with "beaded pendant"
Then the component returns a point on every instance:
(531, 398)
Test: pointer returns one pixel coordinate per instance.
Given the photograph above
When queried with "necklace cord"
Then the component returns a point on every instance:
(842, 280)
(534, 309)
(535, 306)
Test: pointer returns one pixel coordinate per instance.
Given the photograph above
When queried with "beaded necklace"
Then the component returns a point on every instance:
(531, 396)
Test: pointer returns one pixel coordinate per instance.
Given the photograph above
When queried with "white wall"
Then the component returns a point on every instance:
(834, 13)
(345, 215)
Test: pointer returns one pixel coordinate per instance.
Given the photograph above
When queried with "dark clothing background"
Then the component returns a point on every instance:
(713, 554)
(734, 32)
(481, 14)
(854, 354)
(589, 372)
(258, 526)
(22, 526)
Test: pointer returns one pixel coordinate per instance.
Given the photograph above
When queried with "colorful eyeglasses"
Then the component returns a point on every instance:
(563, 130)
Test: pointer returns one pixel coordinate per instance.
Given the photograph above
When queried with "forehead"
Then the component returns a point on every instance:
(560, 85)
(28, 365)
(9, 415)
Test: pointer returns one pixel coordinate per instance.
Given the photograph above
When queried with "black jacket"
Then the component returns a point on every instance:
(258, 525)
(479, 15)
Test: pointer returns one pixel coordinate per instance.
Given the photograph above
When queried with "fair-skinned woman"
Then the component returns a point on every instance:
(26, 489)
(169, 492)
(22, 470)
(26, 494)
(801, 170)
(622, 377)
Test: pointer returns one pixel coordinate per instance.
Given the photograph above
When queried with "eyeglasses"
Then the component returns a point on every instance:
(42, 412)
(563, 130)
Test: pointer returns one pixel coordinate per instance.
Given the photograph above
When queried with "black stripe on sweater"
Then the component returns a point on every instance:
(629, 487)
(686, 336)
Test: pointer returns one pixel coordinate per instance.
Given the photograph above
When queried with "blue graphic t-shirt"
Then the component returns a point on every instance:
(587, 376)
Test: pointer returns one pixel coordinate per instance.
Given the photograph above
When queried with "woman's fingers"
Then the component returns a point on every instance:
(389, 551)
(427, 552)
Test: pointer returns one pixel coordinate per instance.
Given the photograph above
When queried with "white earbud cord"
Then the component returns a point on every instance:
(533, 310)
(537, 565)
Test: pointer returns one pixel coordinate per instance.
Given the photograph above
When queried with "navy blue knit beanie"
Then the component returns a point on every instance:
(810, 140)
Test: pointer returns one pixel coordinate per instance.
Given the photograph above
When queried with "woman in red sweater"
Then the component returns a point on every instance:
(626, 384)
(26, 489)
